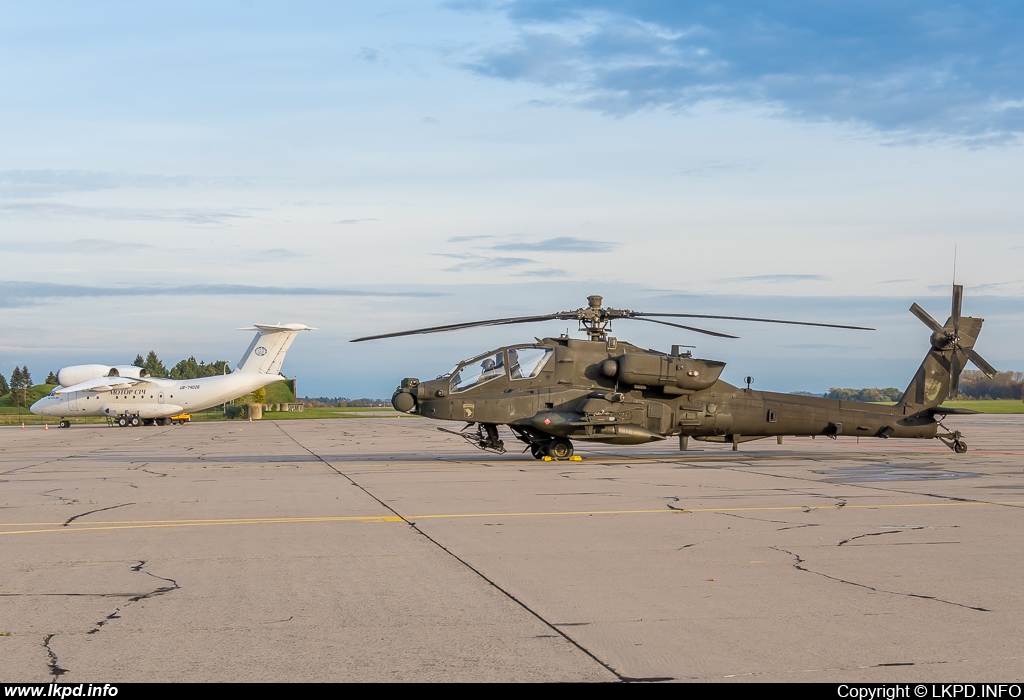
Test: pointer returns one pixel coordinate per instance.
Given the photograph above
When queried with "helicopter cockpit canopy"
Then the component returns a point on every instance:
(521, 362)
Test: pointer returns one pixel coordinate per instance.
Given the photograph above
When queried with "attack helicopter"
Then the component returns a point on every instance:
(556, 390)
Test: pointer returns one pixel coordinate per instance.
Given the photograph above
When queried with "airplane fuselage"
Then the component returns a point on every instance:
(156, 398)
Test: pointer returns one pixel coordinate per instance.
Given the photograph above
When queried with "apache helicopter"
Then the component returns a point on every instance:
(601, 389)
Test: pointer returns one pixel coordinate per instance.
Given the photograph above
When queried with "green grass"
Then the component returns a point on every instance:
(280, 392)
(990, 406)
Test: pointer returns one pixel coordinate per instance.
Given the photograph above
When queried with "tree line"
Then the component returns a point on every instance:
(21, 382)
(185, 369)
(973, 385)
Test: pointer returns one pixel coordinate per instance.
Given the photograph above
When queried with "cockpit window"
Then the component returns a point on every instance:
(478, 371)
(527, 362)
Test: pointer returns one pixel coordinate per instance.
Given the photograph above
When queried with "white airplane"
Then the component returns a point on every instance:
(130, 396)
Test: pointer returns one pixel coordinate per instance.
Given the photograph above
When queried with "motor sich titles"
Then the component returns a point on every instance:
(954, 691)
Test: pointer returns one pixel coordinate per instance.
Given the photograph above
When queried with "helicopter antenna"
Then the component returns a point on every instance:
(954, 264)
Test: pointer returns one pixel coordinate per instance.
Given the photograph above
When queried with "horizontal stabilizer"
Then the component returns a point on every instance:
(271, 328)
(949, 411)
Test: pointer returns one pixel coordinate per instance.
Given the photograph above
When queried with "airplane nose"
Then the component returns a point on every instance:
(38, 407)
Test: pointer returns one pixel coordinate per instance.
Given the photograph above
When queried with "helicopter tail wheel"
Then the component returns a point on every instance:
(959, 446)
(560, 448)
(538, 451)
(122, 421)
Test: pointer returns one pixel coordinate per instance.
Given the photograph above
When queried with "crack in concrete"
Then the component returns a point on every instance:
(55, 670)
(877, 534)
(869, 486)
(98, 510)
(766, 520)
(800, 560)
(136, 598)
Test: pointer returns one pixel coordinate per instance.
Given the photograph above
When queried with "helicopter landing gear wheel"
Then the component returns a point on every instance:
(538, 451)
(959, 446)
(560, 448)
(64, 423)
(122, 422)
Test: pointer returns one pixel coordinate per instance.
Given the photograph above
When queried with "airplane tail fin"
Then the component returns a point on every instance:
(267, 350)
(938, 377)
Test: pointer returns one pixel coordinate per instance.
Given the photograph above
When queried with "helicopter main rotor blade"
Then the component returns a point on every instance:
(926, 319)
(761, 320)
(470, 324)
(955, 368)
(958, 300)
(980, 363)
(687, 328)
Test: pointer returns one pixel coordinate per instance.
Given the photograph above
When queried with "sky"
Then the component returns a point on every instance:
(172, 172)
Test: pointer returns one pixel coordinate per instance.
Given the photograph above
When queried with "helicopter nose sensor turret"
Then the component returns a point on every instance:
(404, 398)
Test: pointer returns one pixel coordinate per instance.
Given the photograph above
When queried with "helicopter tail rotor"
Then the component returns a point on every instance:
(957, 336)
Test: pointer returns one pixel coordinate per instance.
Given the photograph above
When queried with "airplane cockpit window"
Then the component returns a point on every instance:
(478, 371)
(527, 362)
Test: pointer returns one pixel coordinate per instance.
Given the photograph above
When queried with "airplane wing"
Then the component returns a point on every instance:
(103, 384)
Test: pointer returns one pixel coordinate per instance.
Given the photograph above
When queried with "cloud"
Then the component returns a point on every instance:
(38, 210)
(545, 272)
(81, 246)
(776, 278)
(464, 239)
(46, 182)
(986, 287)
(480, 262)
(16, 294)
(712, 167)
(279, 253)
(922, 68)
(568, 244)
(352, 222)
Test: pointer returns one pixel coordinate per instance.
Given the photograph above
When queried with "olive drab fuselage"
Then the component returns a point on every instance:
(617, 393)
(561, 389)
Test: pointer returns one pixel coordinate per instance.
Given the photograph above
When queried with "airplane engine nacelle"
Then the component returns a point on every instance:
(129, 371)
(76, 374)
(674, 374)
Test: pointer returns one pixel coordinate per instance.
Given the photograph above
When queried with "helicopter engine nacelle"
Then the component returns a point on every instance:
(675, 374)
(76, 374)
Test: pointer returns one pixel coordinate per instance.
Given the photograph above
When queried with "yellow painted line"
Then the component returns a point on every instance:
(149, 524)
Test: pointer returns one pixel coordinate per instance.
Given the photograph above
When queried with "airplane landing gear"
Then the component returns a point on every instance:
(64, 423)
(122, 421)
